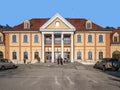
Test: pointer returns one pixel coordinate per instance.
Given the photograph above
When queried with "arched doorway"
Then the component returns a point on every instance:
(1, 54)
(116, 54)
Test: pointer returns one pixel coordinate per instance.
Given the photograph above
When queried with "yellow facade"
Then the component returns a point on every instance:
(57, 29)
(114, 48)
(2, 49)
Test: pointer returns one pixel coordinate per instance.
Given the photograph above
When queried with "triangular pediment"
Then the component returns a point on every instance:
(57, 22)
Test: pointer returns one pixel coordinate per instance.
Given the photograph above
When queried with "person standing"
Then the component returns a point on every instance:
(58, 60)
(61, 60)
(24, 60)
(38, 58)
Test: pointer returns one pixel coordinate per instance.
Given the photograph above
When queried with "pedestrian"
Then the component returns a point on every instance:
(24, 60)
(58, 60)
(61, 60)
(38, 59)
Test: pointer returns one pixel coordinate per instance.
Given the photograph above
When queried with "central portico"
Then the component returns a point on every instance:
(57, 39)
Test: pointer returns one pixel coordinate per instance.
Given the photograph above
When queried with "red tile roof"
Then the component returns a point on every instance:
(80, 24)
(35, 24)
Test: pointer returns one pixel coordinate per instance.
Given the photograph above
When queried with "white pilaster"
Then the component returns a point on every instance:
(62, 46)
(43, 48)
(53, 47)
(72, 48)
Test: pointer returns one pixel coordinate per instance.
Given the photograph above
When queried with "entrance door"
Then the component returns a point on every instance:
(1, 54)
(67, 56)
(48, 57)
(56, 55)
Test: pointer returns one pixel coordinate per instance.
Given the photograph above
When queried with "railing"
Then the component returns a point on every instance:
(57, 41)
(67, 41)
(48, 41)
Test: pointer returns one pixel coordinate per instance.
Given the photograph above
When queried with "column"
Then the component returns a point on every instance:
(72, 48)
(62, 46)
(53, 47)
(43, 48)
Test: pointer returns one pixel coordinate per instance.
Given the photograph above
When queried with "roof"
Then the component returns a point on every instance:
(36, 23)
(80, 24)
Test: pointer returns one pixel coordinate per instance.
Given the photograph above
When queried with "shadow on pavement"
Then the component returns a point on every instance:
(114, 73)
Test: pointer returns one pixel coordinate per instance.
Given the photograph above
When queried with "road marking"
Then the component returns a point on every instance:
(56, 81)
(94, 81)
(24, 81)
(70, 81)
(35, 82)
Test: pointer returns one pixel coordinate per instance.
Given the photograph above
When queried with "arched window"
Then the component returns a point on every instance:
(89, 55)
(89, 38)
(78, 38)
(14, 55)
(100, 55)
(100, 38)
(14, 38)
(25, 55)
(36, 38)
(25, 40)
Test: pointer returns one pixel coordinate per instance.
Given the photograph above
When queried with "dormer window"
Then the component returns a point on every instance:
(26, 24)
(116, 38)
(88, 25)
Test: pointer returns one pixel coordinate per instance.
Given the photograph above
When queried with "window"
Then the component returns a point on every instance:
(14, 38)
(89, 38)
(48, 39)
(78, 38)
(1, 54)
(66, 39)
(36, 54)
(57, 40)
(90, 55)
(115, 39)
(25, 55)
(14, 55)
(26, 24)
(57, 24)
(0, 39)
(25, 39)
(88, 24)
(100, 38)
(36, 38)
(100, 55)
(79, 55)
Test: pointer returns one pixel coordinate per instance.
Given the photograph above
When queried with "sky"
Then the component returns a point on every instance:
(102, 12)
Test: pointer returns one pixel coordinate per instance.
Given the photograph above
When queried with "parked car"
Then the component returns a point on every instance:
(6, 64)
(108, 64)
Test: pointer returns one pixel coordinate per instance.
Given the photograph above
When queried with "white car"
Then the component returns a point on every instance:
(6, 64)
